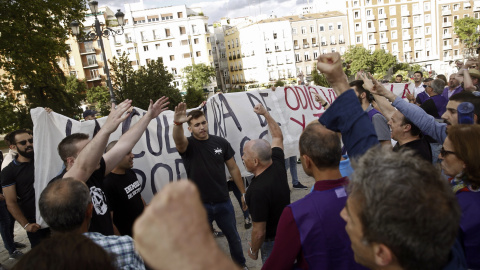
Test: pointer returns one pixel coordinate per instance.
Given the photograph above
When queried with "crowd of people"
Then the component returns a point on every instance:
(411, 205)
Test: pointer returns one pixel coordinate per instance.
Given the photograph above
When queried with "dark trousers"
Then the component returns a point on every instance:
(36, 237)
(7, 223)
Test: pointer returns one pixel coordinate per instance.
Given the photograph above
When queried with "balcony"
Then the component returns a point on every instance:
(419, 35)
(405, 13)
(446, 36)
(382, 16)
(406, 37)
(372, 41)
(298, 60)
(405, 25)
(315, 45)
(341, 42)
(238, 56)
(333, 43)
(467, 5)
(383, 28)
(417, 24)
(118, 43)
(94, 78)
(447, 24)
(476, 6)
(383, 40)
(371, 30)
(231, 69)
(278, 50)
(370, 18)
(296, 47)
(446, 12)
(87, 51)
(305, 46)
(407, 49)
(90, 64)
(447, 47)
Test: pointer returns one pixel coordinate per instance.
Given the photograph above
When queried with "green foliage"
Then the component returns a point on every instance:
(279, 83)
(100, 96)
(150, 82)
(33, 35)
(466, 30)
(194, 97)
(197, 77)
(318, 78)
(378, 63)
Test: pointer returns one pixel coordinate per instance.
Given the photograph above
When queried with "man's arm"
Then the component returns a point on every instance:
(345, 113)
(128, 140)
(426, 123)
(275, 131)
(89, 158)
(10, 194)
(237, 178)
(178, 135)
(467, 79)
(259, 230)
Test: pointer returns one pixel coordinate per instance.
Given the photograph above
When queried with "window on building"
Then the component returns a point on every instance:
(186, 55)
(358, 39)
(357, 27)
(294, 31)
(306, 56)
(312, 28)
(304, 30)
(394, 35)
(321, 28)
(157, 46)
(356, 14)
(196, 41)
(198, 53)
(167, 32)
(455, 17)
(426, 6)
(381, 11)
(182, 29)
(172, 57)
(455, 52)
(169, 44)
(455, 41)
(456, 7)
(393, 10)
(145, 48)
(339, 26)
(427, 30)
(315, 54)
(393, 22)
(427, 18)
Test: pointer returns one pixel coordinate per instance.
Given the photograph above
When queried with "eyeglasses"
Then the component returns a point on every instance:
(445, 153)
(24, 142)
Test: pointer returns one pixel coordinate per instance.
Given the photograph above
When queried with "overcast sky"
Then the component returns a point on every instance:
(216, 9)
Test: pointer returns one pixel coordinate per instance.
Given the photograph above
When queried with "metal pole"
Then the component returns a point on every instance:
(99, 34)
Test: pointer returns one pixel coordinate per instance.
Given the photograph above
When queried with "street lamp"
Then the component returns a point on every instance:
(100, 32)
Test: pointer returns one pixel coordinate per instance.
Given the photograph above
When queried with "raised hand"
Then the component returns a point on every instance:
(367, 83)
(117, 115)
(180, 115)
(259, 109)
(331, 65)
(154, 109)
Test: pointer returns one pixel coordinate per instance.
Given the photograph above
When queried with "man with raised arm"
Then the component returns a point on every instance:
(205, 157)
(268, 192)
(84, 159)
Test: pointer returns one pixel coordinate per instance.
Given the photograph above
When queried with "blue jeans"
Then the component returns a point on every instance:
(291, 162)
(7, 223)
(224, 216)
(266, 250)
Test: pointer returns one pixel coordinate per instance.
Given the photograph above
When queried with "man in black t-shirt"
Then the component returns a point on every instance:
(268, 193)
(123, 191)
(205, 157)
(17, 183)
(84, 159)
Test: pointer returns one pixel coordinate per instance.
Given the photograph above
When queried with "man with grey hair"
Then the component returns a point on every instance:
(268, 193)
(400, 213)
(66, 206)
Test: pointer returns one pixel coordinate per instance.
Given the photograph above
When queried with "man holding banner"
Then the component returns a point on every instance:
(205, 157)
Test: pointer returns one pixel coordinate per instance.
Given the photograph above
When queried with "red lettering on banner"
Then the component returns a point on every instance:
(391, 87)
(300, 90)
(404, 95)
(314, 102)
(317, 114)
(298, 122)
(296, 98)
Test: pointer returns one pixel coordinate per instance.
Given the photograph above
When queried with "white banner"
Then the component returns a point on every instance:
(157, 161)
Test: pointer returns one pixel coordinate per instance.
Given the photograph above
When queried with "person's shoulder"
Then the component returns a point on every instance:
(379, 116)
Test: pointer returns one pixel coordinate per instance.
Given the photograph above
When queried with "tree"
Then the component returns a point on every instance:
(33, 35)
(378, 63)
(318, 78)
(100, 95)
(197, 77)
(466, 30)
(279, 83)
(150, 82)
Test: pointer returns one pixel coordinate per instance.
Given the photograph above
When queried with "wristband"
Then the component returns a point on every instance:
(243, 195)
(251, 251)
(324, 104)
(25, 227)
(177, 123)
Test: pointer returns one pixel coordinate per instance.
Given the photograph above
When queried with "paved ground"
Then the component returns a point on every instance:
(21, 236)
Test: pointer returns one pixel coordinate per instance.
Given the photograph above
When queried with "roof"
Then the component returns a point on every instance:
(305, 17)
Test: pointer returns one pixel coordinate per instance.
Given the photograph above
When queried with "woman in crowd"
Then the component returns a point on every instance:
(460, 156)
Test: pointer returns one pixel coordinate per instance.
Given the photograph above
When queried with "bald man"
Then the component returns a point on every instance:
(268, 192)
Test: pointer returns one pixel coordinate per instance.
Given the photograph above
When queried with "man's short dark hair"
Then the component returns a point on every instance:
(359, 87)
(469, 97)
(406, 205)
(63, 204)
(321, 145)
(418, 72)
(399, 75)
(414, 130)
(428, 80)
(67, 148)
(10, 137)
(195, 115)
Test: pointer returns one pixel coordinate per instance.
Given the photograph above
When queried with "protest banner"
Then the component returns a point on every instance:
(156, 160)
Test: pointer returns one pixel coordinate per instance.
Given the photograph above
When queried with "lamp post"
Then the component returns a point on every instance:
(100, 32)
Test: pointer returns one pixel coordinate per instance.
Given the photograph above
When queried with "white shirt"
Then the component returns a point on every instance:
(418, 90)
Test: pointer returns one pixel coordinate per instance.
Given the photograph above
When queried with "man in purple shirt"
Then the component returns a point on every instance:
(453, 88)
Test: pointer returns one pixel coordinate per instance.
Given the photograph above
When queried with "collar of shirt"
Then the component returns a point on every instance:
(329, 184)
